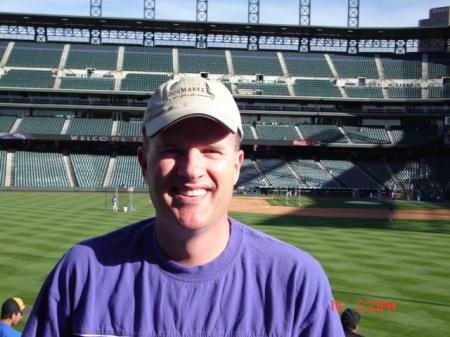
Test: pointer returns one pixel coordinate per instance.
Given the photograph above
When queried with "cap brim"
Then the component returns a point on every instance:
(26, 310)
(164, 121)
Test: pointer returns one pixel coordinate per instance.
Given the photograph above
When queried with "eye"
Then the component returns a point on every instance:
(171, 152)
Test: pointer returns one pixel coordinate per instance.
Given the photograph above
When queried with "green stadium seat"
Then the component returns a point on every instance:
(151, 59)
(307, 65)
(252, 63)
(354, 66)
(27, 79)
(127, 172)
(92, 56)
(35, 55)
(198, 61)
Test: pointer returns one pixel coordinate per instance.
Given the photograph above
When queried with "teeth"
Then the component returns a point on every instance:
(193, 193)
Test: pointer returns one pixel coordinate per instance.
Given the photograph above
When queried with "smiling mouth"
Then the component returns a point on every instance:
(192, 193)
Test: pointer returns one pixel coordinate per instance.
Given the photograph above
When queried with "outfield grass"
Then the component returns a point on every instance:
(359, 203)
(405, 263)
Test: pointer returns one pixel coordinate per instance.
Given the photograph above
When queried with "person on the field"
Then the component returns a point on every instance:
(390, 211)
(350, 319)
(191, 270)
(114, 202)
(12, 311)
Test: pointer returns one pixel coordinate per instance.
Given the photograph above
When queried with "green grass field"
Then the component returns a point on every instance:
(404, 265)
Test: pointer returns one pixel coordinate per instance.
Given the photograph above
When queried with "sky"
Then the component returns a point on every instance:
(372, 13)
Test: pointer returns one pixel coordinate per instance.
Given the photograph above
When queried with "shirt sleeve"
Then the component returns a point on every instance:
(325, 324)
(48, 317)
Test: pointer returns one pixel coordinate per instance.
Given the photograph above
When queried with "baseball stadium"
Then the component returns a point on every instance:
(339, 122)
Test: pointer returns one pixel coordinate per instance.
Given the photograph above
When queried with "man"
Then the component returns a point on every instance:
(114, 202)
(12, 310)
(350, 319)
(390, 211)
(191, 270)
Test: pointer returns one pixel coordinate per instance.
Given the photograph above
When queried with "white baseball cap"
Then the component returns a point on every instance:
(188, 97)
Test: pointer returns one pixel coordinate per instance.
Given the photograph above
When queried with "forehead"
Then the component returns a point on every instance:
(195, 130)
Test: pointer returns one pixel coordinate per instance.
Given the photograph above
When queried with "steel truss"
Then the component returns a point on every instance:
(251, 39)
(202, 10)
(305, 12)
(149, 9)
(253, 11)
(96, 7)
(353, 13)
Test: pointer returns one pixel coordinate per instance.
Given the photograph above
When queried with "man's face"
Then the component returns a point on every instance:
(191, 169)
(16, 317)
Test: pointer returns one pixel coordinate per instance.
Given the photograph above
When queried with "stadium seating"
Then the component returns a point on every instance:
(198, 60)
(127, 172)
(322, 133)
(402, 66)
(439, 92)
(248, 134)
(307, 65)
(278, 173)
(27, 78)
(410, 134)
(39, 169)
(367, 135)
(312, 174)
(252, 63)
(90, 126)
(6, 123)
(41, 125)
(354, 66)
(87, 83)
(132, 128)
(35, 55)
(316, 88)
(277, 132)
(436, 170)
(438, 65)
(151, 59)
(3, 45)
(404, 92)
(89, 169)
(142, 82)
(249, 177)
(378, 170)
(96, 56)
(364, 92)
(348, 174)
(407, 171)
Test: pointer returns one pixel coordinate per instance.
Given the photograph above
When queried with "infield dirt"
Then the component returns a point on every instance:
(260, 205)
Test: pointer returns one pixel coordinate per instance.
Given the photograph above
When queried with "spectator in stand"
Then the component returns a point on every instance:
(12, 311)
(350, 319)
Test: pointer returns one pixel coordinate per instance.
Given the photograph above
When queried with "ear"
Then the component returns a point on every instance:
(142, 158)
(237, 165)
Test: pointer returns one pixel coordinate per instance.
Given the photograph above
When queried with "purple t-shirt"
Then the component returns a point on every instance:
(122, 284)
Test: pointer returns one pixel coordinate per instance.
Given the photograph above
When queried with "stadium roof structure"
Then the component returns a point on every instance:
(200, 34)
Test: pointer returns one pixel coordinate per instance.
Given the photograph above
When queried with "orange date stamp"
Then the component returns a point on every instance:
(367, 305)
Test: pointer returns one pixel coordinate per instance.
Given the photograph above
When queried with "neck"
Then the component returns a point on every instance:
(194, 248)
(6, 321)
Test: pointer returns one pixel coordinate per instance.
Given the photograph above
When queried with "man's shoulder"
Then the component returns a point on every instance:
(115, 243)
(8, 331)
(269, 248)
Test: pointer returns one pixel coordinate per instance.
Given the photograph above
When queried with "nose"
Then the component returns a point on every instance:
(191, 165)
